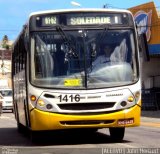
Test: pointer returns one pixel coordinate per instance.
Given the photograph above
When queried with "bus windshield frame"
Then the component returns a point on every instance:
(87, 74)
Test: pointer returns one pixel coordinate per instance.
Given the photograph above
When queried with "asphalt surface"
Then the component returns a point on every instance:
(145, 136)
(150, 116)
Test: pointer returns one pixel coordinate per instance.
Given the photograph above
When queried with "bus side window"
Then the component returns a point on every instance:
(38, 72)
(43, 62)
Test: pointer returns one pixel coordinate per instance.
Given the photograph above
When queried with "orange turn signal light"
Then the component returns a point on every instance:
(137, 94)
(32, 98)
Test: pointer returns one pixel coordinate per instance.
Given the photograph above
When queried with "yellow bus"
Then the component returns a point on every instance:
(77, 68)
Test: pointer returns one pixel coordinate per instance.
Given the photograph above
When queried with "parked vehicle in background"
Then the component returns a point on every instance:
(7, 99)
(1, 102)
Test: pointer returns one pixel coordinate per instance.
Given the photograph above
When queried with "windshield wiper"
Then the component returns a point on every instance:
(67, 42)
(102, 34)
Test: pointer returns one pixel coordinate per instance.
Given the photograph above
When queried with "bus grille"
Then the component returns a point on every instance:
(87, 122)
(86, 106)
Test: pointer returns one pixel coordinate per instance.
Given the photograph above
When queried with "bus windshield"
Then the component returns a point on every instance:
(83, 58)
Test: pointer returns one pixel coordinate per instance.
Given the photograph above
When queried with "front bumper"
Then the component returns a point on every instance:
(41, 120)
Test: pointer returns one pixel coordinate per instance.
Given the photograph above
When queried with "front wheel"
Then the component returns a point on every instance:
(117, 134)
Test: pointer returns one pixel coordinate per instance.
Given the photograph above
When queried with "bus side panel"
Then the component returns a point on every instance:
(15, 97)
(20, 97)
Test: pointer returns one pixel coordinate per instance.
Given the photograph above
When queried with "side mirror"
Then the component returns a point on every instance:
(143, 46)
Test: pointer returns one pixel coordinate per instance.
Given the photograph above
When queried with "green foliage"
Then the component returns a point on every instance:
(5, 42)
(6, 46)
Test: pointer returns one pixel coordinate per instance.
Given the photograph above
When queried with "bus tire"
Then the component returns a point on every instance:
(117, 134)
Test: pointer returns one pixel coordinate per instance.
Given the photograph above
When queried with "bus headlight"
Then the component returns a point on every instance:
(123, 103)
(41, 103)
(49, 106)
(130, 99)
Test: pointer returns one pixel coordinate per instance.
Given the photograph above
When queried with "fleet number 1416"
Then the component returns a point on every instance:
(69, 98)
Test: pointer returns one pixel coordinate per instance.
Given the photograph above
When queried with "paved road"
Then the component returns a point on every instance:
(145, 136)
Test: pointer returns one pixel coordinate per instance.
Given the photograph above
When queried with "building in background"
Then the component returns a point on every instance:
(5, 68)
(148, 21)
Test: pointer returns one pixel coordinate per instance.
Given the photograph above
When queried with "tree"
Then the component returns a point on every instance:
(5, 42)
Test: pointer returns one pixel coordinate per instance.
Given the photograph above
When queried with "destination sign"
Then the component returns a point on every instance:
(83, 18)
(88, 20)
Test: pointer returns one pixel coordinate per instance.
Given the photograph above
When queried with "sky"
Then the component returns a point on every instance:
(14, 13)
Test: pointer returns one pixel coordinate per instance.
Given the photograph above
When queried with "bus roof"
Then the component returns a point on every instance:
(79, 10)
